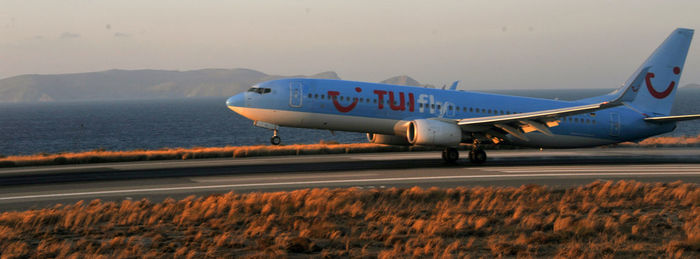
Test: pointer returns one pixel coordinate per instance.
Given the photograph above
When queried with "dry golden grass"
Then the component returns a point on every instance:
(103, 156)
(671, 141)
(602, 219)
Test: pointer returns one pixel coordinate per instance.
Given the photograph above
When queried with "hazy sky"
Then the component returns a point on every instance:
(485, 44)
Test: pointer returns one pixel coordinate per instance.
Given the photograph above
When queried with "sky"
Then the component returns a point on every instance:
(493, 44)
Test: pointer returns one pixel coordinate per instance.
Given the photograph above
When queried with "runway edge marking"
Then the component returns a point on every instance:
(54, 195)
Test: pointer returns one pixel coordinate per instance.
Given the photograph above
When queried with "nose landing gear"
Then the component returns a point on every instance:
(275, 140)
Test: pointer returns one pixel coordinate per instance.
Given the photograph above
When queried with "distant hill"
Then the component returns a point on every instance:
(134, 84)
(401, 80)
(404, 80)
(146, 84)
(692, 86)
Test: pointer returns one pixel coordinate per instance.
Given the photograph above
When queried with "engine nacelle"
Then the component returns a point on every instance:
(433, 133)
(387, 139)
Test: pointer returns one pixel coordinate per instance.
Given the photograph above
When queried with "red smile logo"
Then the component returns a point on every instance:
(669, 89)
(338, 106)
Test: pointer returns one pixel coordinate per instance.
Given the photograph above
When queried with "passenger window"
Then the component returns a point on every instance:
(323, 96)
(315, 96)
(309, 95)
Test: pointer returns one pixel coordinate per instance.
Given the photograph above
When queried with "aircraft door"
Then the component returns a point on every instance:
(614, 124)
(448, 110)
(296, 94)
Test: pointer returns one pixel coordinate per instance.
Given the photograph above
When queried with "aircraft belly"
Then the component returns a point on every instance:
(559, 141)
(311, 120)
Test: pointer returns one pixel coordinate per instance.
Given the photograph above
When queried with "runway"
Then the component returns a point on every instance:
(40, 187)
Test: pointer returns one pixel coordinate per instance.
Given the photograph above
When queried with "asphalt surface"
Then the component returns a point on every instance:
(40, 187)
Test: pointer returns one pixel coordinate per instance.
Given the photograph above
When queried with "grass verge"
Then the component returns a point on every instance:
(602, 219)
(105, 156)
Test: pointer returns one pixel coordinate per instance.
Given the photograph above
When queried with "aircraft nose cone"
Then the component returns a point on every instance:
(235, 101)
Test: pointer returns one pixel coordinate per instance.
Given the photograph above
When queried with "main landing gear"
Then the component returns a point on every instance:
(450, 155)
(275, 140)
(477, 155)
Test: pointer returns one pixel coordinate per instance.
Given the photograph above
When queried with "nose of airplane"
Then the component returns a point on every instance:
(235, 101)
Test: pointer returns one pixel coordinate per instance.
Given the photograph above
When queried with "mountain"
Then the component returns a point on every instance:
(401, 80)
(135, 84)
(692, 86)
(405, 80)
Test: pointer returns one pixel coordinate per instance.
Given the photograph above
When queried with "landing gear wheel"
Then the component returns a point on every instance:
(477, 156)
(450, 155)
(275, 140)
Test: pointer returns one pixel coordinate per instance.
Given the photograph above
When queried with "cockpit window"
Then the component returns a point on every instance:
(260, 90)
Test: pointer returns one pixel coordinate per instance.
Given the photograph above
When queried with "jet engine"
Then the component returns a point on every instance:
(433, 133)
(387, 139)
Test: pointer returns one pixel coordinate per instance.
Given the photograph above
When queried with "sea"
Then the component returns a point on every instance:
(54, 127)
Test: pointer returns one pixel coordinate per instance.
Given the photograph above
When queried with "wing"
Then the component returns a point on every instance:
(518, 124)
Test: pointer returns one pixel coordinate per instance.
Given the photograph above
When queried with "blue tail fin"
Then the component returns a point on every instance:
(664, 67)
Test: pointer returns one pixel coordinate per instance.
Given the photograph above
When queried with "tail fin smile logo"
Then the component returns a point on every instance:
(669, 89)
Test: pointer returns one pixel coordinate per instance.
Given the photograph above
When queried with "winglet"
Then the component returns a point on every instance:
(454, 85)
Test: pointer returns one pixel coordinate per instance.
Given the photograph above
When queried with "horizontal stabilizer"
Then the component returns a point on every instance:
(629, 92)
(661, 119)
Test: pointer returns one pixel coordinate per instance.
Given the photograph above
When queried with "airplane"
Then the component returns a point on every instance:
(446, 118)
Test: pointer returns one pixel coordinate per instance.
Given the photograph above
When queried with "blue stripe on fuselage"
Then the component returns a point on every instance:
(362, 99)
